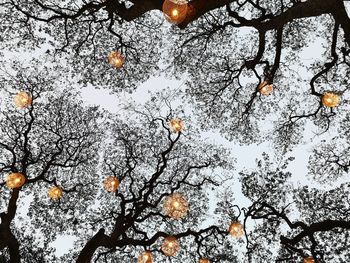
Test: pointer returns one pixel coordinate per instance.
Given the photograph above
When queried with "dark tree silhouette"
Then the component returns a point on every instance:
(229, 50)
(50, 142)
(220, 44)
(301, 221)
(152, 163)
(227, 66)
(56, 142)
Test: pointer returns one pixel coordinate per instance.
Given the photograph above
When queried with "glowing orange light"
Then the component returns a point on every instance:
(55, 192)
(176, 125)
(236, 229)
(111, 183)
(23, 99)
(175, 11)
(116, 59)
(145, 257)
(309, 260)
(330, 99)
(175, 206)
(265, 88)
(204, 260)
(15, 180)
(170, 246)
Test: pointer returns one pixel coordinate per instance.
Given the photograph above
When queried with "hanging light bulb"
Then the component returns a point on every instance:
(265, 88)
(23, 99)
(111, 183)
(309, 260)
(15, 180)
(145, 257)
(175, 206)
(116, 59)
(176, 125)
(204, 260)
(330, 99)
(170, 246)
(55, 192)
(175, 11)
(236, 229)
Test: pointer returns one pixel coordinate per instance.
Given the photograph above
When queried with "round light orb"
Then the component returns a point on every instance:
(175, 206)
(170, 246)
(265, 88)
(309, 260)
(15, 180)
(111, 183)
(116, 59)
(176, 125)
(236, 229)
(175, 11)
(23, 99)
(204, 260)
(145, 257)
(330, 99)
(55, 192)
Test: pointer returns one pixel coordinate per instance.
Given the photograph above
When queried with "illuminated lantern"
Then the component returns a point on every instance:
(15, 180)
(111, 183)
(170, 246)
(236, 229)
(116, 59)
(55, 192)
(309, 260)
(175, 11)
(175, 206)
(176, 125)
(204, 260)
(330, 99)
(23, 99)
(265, 88)
(145, 257)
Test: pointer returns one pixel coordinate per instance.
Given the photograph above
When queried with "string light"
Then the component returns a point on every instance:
(170, 246)
(176, 125)
(204, 260)
(145, 257)
(236, 229)
(111, 183)
(15, 180)
(265, 88)
(175, 206)
(309, 260)
(175, 11)
(23, 99)
(55, 192)
(116, 59)
(330, 99)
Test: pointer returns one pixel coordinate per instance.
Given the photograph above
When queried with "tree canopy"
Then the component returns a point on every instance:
(146, 183)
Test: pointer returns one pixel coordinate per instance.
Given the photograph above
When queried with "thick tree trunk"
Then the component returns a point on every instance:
(7, 239)
(13, 246)
(6, 236)
(98, 240)
(341, 16)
